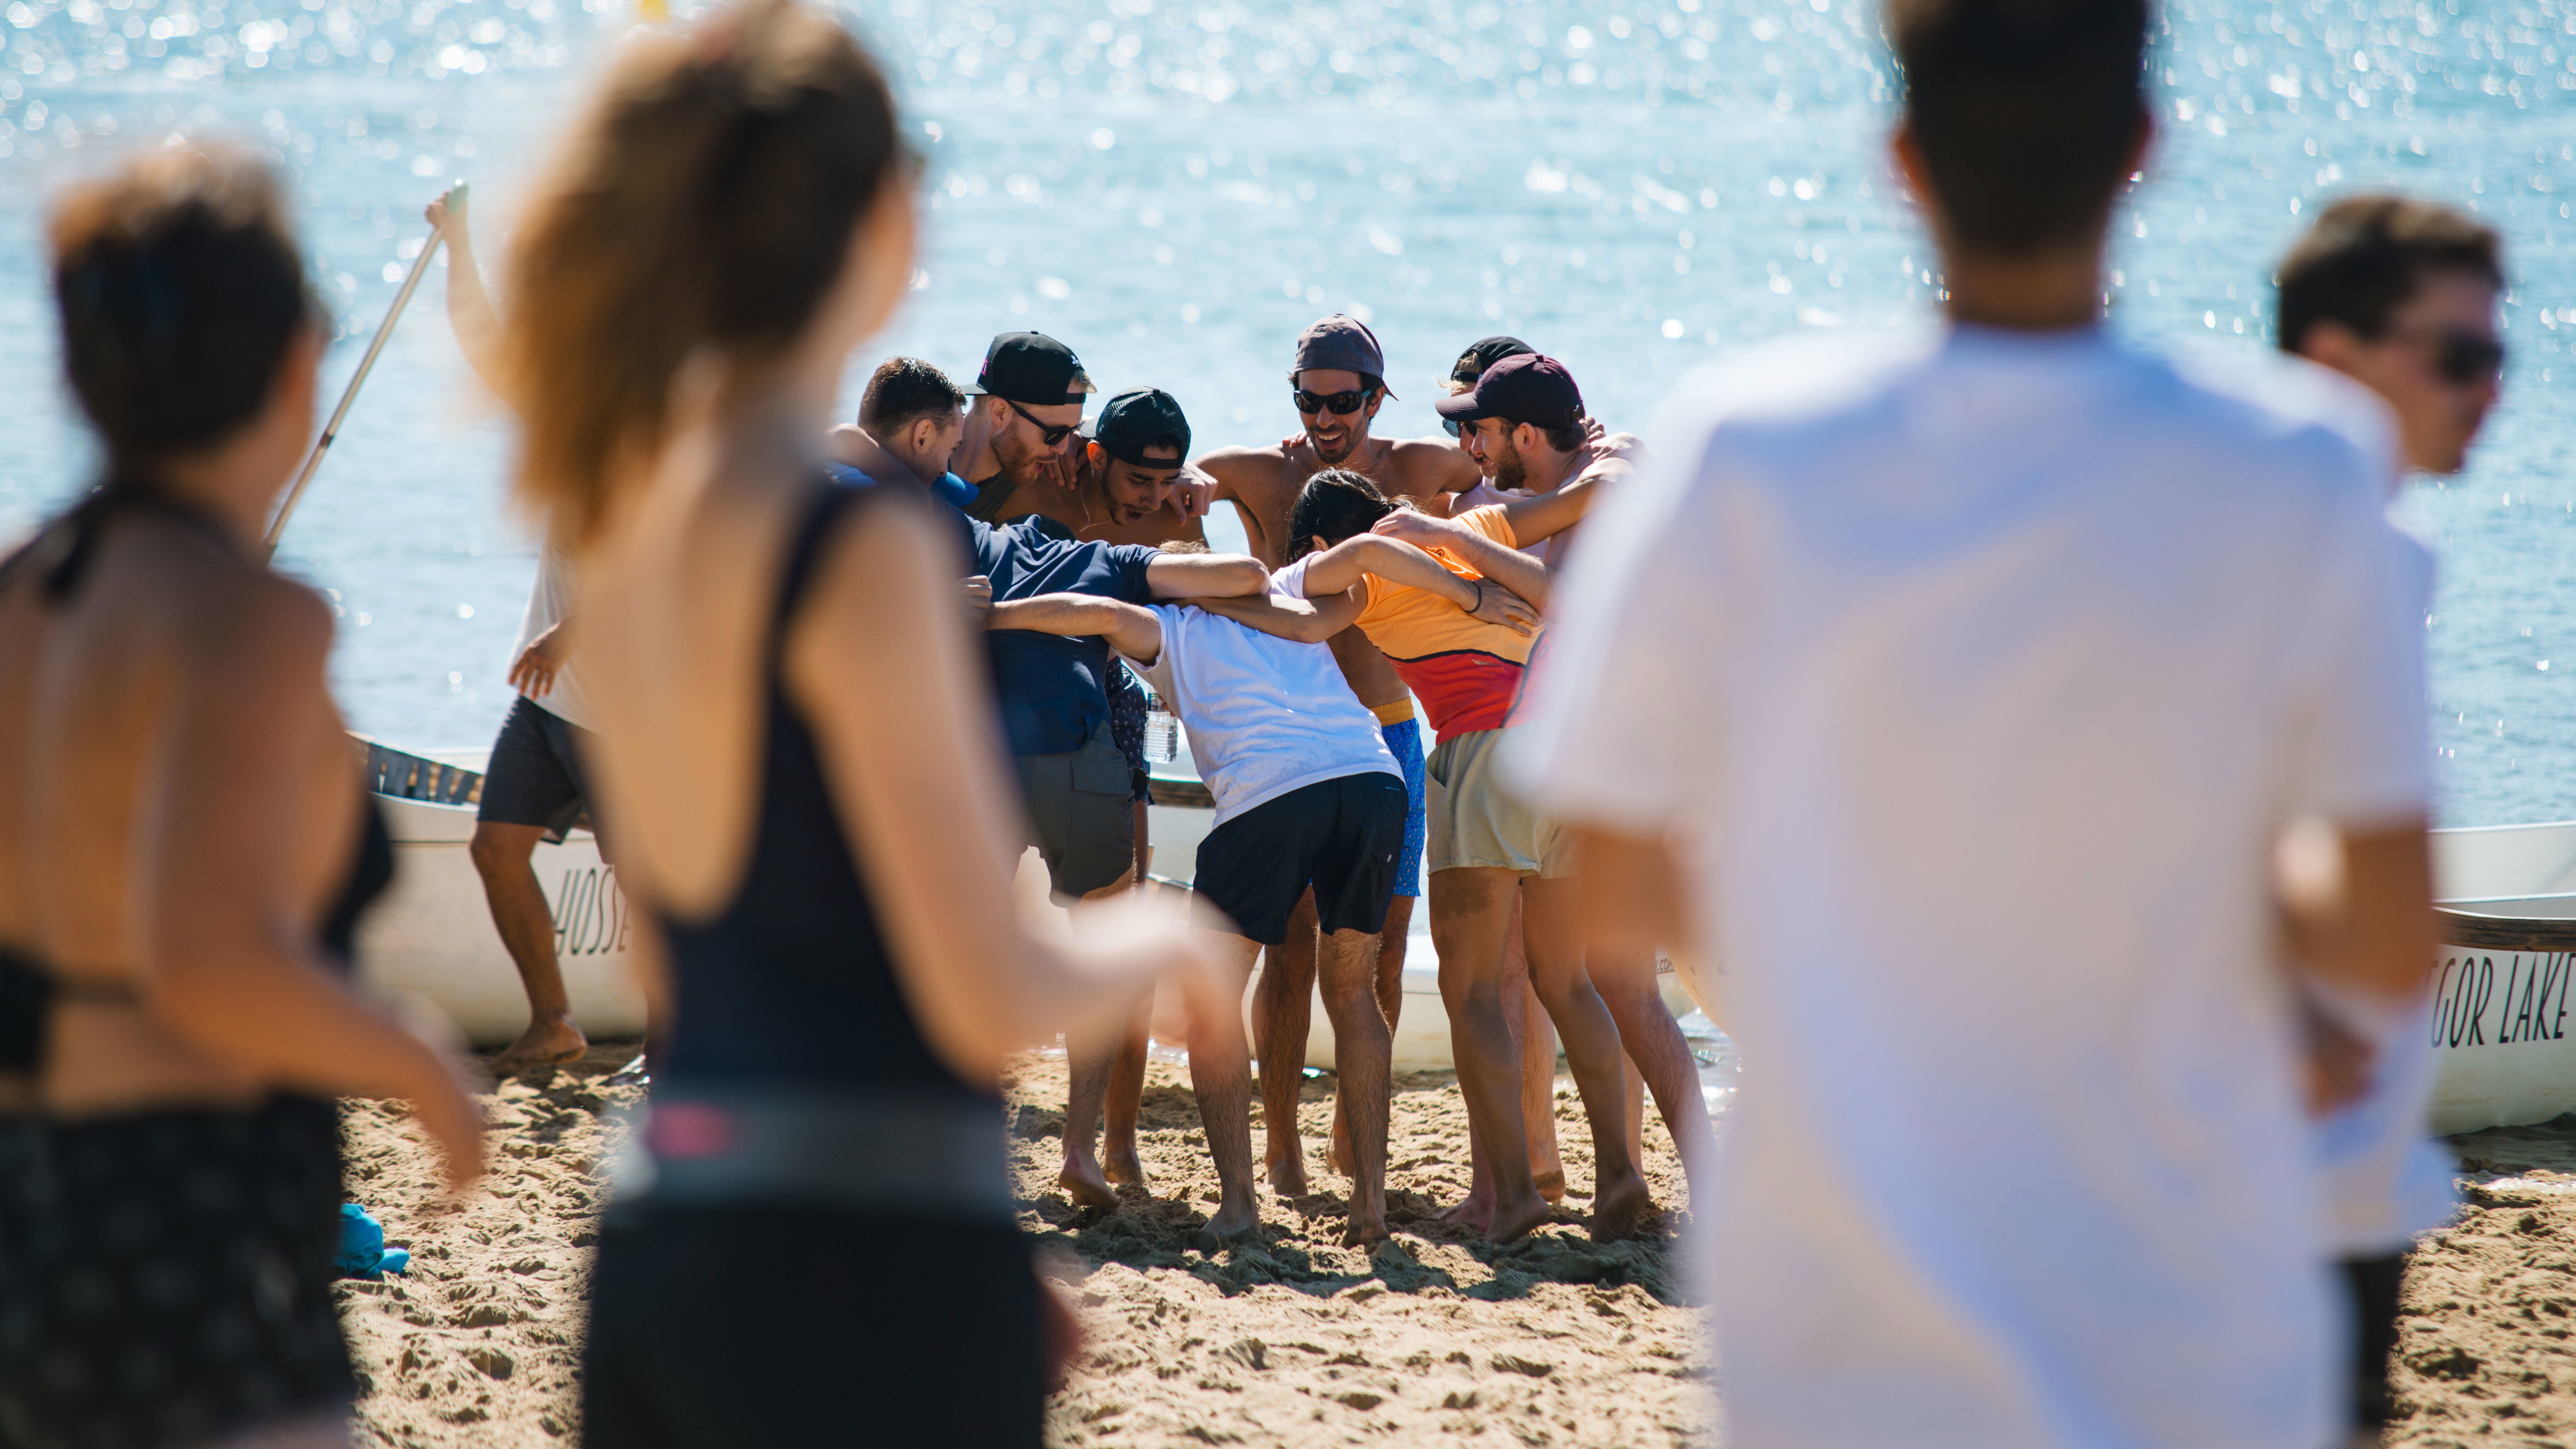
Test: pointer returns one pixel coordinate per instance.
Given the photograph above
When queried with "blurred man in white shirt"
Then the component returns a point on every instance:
(2399, 295)
(1955, 692)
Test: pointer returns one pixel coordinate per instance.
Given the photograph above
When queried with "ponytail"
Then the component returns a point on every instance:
(705, 204)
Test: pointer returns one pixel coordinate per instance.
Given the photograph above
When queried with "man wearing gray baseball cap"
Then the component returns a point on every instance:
(1337, 383)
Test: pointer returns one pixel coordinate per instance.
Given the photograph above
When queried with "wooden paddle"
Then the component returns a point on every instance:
(366, 364)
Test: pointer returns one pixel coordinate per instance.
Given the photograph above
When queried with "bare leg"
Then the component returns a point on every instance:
(1632, 1097)
(1221, 1076)
(1125, 1101)
(1282, 1008)
(1620, 1201)
(1470, 915)
(1088, 1069)
(1659, 1053)
(504, 856)
(1390, 1001)
(1362, 1047)
(1534, 1039)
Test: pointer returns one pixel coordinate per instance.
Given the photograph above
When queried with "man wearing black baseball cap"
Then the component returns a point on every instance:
(1072, 717)
(1025, 407)
(1122, 480)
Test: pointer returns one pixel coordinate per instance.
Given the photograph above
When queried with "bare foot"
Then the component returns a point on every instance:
(1512, 1222)
(549, 1041)
(1120, 1166)
(1363, 1230)
(1550, 1182)
(1622, 1211)
(1476, 1212)
(1082, 1182)
(1234, 1219)
(1288, 1177)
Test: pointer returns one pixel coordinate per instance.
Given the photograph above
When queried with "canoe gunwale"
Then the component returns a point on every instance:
(2504, 933)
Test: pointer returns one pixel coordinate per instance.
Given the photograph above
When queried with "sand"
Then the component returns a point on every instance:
(1294, 1340)
(2484, 1353)
(1288, 1340)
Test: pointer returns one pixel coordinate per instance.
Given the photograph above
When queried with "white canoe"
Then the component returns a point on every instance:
(2500, 986)
(431, 937)
(1178, 821)
(2501, 1015)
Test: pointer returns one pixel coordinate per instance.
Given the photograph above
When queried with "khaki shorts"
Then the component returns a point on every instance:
(1476, 822)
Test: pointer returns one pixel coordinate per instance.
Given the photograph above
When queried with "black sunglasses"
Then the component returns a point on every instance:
(1053, 437)
(1453, 427)
(2461, 358)
(1340, 404)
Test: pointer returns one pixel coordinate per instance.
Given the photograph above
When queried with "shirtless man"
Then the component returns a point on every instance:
(1523, 420)
(1128, 477)
(1028, 406)
(1338, 382)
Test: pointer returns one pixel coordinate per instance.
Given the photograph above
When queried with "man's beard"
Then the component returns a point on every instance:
(1025, 461)
(1350, 444)
(1509, 470)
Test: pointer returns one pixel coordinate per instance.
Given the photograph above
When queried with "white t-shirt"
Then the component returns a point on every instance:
(2386, 1178)
(1976, 675)
(1266, 715)
(549, 602)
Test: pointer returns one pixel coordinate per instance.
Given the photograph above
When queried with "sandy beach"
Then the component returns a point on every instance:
(1294, 1340)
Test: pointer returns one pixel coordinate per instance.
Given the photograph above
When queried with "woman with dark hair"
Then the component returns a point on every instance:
(186, 852)
(821, 862)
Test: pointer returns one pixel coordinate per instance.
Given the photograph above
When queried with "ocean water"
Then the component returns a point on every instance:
(1177, 186)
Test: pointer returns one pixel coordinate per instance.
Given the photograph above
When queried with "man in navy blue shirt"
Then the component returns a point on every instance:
(911, 416)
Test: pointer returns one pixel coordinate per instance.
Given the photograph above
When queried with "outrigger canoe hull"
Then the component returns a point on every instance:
(431, 937)
(2503, 1018)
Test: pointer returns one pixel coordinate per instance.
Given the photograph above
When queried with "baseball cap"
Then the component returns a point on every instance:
(1032, 368)
(1523, 388)
(1340, 343)
(1139, 419)
(1484, 353)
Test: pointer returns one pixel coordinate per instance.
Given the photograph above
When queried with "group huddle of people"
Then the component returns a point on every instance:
(2025, 735)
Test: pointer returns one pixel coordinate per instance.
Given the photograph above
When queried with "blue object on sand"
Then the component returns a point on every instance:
(363, 1253)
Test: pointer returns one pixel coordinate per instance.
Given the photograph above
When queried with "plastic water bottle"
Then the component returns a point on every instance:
(1162, 732)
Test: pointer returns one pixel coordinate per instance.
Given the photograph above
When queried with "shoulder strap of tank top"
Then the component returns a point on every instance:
(804, 554)
(72, 541)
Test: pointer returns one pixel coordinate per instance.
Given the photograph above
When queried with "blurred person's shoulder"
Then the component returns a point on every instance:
(2282, 420)
(1782, 399)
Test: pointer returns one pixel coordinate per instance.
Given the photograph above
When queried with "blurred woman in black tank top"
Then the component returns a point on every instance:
(185, 850)
(817, 1244)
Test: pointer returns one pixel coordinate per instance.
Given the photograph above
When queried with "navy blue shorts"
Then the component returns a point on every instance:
(1340, 836)
(535, 776)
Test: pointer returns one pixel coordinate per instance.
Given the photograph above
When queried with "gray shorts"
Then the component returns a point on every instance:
(1081, 813)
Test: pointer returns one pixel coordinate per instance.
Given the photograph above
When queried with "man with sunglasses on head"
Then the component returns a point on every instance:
(1337, 383)
(2399, 295)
